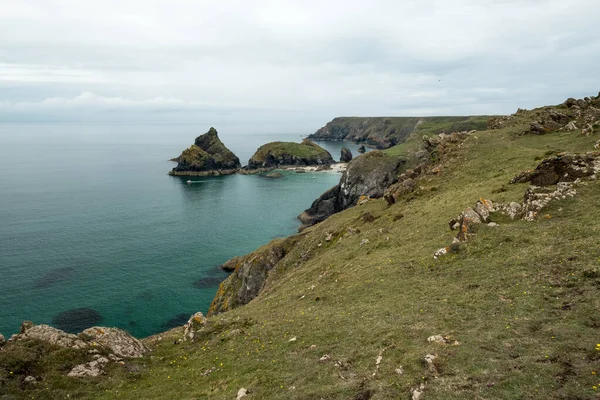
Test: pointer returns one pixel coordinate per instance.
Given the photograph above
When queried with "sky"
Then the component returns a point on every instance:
(291, 65)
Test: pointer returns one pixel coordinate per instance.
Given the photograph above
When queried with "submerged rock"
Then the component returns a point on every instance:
(76, 320)
(116, 340)
(178, 320)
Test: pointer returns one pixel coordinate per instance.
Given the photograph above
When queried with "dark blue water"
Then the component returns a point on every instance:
(90, 219)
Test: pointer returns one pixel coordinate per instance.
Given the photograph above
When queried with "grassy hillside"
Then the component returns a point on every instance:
(349, 317)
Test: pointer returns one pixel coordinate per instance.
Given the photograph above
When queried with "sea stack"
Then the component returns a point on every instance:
(208, 156)
(288, 154)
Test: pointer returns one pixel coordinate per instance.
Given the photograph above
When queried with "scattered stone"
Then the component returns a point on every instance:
(429, 360)
(194, 324)
(48, 334)
(30, 379)
(441, 252)
(242, 393)
(353, 231)
(119, 342)
(493, 225)
(400, 370)
(312, 347)
(597, 145)
(417, 393)
(2, 340)
(364, 241)
(438, 339)
(362, 200)
(346, 155)
(325, 358)
(91, 369)
(293, 339)
(329, 237)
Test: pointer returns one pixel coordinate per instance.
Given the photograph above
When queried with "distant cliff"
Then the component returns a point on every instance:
(385, 132)
(286, 154)
(207, 156)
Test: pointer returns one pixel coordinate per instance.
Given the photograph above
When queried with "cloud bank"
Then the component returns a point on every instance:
(292, 61)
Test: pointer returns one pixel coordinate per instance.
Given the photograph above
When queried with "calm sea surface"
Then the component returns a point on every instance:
(91, 222)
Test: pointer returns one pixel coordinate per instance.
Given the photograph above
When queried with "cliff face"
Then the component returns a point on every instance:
(207, 156)
(250, 272)
(384, 132)
(367, 175)
(279, 154)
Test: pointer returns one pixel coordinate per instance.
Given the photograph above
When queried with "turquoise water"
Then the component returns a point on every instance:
(89, 219)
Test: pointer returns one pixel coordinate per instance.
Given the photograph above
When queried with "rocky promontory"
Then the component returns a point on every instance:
(206, 157)
(289, 154)
(385, 132)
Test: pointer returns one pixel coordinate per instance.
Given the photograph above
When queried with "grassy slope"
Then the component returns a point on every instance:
(306, 149)
(522, 300)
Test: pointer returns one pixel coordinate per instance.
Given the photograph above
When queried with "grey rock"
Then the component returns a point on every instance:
(119, 342)
(30, 379)
(51, 335)
(194, 324)
(2, 340)
(92, 369)
(570, 126)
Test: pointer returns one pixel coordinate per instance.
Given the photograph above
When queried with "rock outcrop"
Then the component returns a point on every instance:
(49, 334)
(288, 154)
(116, 341)
(2, 340)
(367, 175)
(194, 324)
(562, 168)
(361, 150)
(207, 156)
(249, 274)
(346, 155)
(92, 369)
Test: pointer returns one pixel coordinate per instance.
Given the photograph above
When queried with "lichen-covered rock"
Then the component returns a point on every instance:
(249, 274)
(48, 334)
(368, 175)
(288, 154)
(2, 340)
(346, 155)
(207, 156)
(92, 369)
(194, 324)
(562, 168)
(116, 340)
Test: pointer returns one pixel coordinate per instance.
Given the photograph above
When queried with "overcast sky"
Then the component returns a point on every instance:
(291, 64)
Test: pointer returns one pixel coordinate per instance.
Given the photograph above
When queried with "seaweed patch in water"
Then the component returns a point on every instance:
(53, 277)
(76, 320)
(209, 282)
(178, 320)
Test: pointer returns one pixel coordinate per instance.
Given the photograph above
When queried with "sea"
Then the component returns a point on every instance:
(94, 232)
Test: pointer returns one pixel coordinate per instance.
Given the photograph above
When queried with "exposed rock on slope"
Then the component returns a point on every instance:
(367, 175)
(249, 275)
(207, 156)
(287, 154)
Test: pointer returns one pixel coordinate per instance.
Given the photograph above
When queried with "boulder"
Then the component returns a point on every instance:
(116, 340)
(2, 340)
(361, 149)
(30, 379)
(194, 324)
(346, 155)
(571, 126)
(92, 369)
(48, 334)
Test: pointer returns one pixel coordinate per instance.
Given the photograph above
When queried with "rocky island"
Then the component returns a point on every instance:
(206, 157)
(288, 154)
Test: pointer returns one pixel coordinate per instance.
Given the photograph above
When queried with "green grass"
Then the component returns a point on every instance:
(521, 299)
(306, 149)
